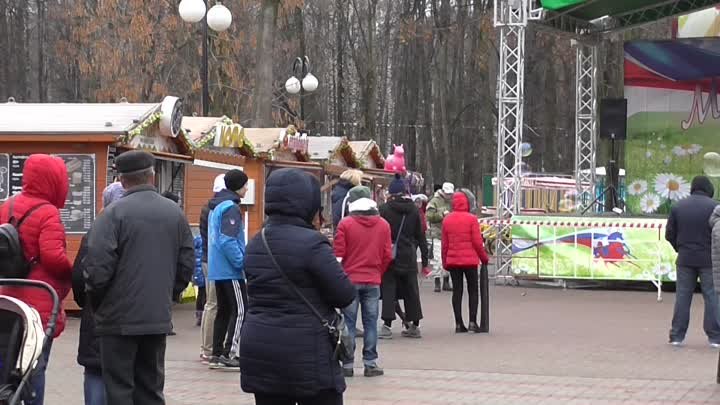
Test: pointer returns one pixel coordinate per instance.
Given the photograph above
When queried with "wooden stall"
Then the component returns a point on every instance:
(87, 137)
(219, 146)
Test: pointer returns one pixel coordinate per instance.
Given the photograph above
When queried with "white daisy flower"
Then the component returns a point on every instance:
(687, 149)
(637, 187)
(663, 146)
(649, 203)
(670, 186)
(650, 142)
(667, 160)
(679, 151)
(648, 154)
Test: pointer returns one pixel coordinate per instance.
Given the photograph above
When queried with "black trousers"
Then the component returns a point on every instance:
(471, 275)
(201, 298)
(402, 285)
(231, 303)
(322, 398)
(133, 369)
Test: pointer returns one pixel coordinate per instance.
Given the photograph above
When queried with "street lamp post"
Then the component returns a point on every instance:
(218, 18)
(309, 83)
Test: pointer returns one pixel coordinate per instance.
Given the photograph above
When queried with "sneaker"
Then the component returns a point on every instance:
(359, 333)
(230, 364)
(348, 372)
(412, 332)
(714, 345)
(204, 359)
(385, 332)
(437, 285)
(676, 343)
(214, 363)
(460, 328)
(373, 371)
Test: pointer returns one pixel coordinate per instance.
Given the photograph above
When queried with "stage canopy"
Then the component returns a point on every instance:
(594, 16)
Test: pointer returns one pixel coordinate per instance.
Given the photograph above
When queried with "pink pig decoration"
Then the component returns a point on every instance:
(395, 163)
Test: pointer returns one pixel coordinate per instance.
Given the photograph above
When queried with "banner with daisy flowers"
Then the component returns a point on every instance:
(673, 120)
(592, 248)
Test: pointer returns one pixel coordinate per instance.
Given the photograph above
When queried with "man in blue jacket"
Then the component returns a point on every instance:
(226, 264)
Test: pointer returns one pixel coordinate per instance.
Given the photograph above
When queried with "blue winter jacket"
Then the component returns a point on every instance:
(226, 238)
(198, 276)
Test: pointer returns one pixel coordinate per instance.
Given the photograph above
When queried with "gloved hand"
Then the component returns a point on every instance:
(426, 271)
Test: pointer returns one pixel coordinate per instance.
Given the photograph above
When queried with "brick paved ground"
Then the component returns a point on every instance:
(547, 346)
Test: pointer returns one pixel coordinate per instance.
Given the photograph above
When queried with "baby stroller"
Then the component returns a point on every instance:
(23, 342)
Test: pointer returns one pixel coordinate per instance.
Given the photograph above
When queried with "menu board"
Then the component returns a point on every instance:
(79, 212)
(4, 176)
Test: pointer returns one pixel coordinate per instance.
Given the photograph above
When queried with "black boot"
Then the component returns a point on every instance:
(460, 328)
(446, 284)
(474, 328)
(437, 285)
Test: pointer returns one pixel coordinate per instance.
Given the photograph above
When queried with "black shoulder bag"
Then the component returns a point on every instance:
(337, 330)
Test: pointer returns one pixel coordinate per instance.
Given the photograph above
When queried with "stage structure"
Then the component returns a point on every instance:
(586, 21)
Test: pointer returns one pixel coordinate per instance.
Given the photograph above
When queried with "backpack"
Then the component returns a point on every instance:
(13, 263)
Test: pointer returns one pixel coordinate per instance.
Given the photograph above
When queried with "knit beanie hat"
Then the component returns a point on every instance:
(702, 184)
(219, 184)
(357, 193)
(398, 186)
(235, 180)
(360, 200)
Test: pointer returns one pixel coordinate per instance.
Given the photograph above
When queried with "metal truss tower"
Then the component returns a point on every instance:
(586, 83)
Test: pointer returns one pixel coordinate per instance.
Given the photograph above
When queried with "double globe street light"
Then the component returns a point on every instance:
(309, 83)
(218, 18)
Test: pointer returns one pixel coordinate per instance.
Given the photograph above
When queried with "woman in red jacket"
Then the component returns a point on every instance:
(462, 252)
(44, 189)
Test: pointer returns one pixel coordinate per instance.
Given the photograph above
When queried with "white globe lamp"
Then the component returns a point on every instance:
(219, 18)
(292, 85)
(310, 83)
(192, 11)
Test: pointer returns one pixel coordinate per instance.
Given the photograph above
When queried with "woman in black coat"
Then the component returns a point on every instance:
(400, 281)
(286, 356)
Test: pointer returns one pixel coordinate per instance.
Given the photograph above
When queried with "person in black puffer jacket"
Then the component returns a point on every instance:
(401, 278)
(286, 356)
(348, 179)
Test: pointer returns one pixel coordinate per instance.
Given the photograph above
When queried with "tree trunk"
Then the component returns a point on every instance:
(264, 70)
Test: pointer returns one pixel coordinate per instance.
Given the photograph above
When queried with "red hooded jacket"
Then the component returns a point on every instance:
(364, 244)
(462, 242)
(42, 235)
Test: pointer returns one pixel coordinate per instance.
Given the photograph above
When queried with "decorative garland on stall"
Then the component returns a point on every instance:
(573, 224)
(152, 119)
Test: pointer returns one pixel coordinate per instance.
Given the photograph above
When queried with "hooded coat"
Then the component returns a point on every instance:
(284, 348)
(462, 241)
(688, 230)
(411, 237)
(363, 242)
(44, 184)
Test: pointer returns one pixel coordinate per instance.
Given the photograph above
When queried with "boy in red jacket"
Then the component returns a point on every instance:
(363, 245)
(462, 252)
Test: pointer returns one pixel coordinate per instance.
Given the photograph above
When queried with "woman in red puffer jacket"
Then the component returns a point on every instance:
(462, 252)
(42, 234)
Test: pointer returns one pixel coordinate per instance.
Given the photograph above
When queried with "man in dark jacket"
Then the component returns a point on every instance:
(285, 352)
(207, 325)
(688, 231)
(401, 278)
(140, 258)
(89, 345)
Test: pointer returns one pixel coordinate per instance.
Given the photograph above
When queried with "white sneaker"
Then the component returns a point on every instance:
(676, 343)
(714, 345)
(385, 332)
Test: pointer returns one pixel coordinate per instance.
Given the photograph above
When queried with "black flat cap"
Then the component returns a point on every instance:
(133, 161)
